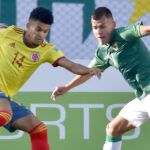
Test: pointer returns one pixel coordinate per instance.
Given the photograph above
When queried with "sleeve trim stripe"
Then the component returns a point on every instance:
(55, 64)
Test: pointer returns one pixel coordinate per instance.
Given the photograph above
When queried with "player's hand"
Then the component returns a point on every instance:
(59, 90)
(95, 71)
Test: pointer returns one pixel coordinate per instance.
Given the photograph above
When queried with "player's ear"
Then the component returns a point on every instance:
(114, 24)
(28, 25)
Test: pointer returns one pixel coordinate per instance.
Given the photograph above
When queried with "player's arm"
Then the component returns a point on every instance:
(145, 30)
(77, 68)
(61, 90)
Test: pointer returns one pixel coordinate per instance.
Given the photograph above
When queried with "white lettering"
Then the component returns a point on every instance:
(86, 108)
(57, 123)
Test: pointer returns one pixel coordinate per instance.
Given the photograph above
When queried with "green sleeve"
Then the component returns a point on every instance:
(96, 62)
(137, 29)
(130, 32)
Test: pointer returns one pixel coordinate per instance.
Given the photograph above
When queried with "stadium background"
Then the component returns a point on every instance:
(78, 119)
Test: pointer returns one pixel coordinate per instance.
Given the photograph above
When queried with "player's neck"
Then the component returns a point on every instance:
(27, 42)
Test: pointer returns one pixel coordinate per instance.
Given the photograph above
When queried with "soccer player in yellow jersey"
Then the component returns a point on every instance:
(21, 52)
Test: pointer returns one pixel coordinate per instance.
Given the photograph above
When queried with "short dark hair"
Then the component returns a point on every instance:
(42, 14)
(100, 12)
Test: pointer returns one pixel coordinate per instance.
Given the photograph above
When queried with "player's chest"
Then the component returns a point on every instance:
(113, 53)
(20, 55)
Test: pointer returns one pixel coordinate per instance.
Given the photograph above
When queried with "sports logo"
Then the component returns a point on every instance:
(35, 56)
(12, 45)
(115, 46)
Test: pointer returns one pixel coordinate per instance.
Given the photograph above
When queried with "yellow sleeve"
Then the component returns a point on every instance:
(54, 55)
(3, 32)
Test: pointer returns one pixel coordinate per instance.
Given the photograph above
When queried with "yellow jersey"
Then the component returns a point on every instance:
(18, 61)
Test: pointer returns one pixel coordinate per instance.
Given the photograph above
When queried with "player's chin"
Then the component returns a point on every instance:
(101, 41)
(37, 43)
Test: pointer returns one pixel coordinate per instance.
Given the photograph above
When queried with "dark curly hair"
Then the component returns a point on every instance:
(41, 14)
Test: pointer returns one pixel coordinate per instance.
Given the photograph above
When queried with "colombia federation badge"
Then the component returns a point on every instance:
(35, 56)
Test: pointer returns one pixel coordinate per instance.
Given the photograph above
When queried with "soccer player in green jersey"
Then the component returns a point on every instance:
(123, 49)
(21, 53)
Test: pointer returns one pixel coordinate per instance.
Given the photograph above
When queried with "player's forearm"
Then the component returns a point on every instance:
(79, 69)
(77, 81)
(145, 30)
(73, 67)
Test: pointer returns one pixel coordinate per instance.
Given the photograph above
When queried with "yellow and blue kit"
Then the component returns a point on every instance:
(18, 62)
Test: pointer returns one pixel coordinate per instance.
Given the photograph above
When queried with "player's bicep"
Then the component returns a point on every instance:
(65, 63)
(144, 30)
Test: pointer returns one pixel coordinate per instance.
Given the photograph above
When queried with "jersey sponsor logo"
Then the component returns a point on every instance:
(35, 56)
(12, 45)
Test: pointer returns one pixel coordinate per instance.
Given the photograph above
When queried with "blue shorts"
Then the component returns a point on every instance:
(18, 110)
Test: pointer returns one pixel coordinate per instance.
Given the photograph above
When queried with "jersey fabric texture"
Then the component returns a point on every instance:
(18, 61)
(128, 53)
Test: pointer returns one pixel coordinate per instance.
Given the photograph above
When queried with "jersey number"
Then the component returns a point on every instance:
(17, 60)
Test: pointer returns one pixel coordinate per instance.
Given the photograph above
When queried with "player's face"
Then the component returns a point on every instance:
(103, 29)
(36, 32)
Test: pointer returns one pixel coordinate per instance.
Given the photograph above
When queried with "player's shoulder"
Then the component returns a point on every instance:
(120, 33)
(14, 29)
(47, 45)
(128, 27)
(3, 26)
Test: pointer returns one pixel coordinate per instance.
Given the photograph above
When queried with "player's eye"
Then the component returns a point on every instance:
(102, 27)
(94, 27)
(45, 31)
(38, 29)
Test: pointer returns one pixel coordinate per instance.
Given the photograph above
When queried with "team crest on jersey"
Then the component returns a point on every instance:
(114, 45)
(35, 56)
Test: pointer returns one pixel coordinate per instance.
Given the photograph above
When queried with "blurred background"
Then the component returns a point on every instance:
(72, 34)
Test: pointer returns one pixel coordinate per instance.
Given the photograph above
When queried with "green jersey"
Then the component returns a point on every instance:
(129, 55)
